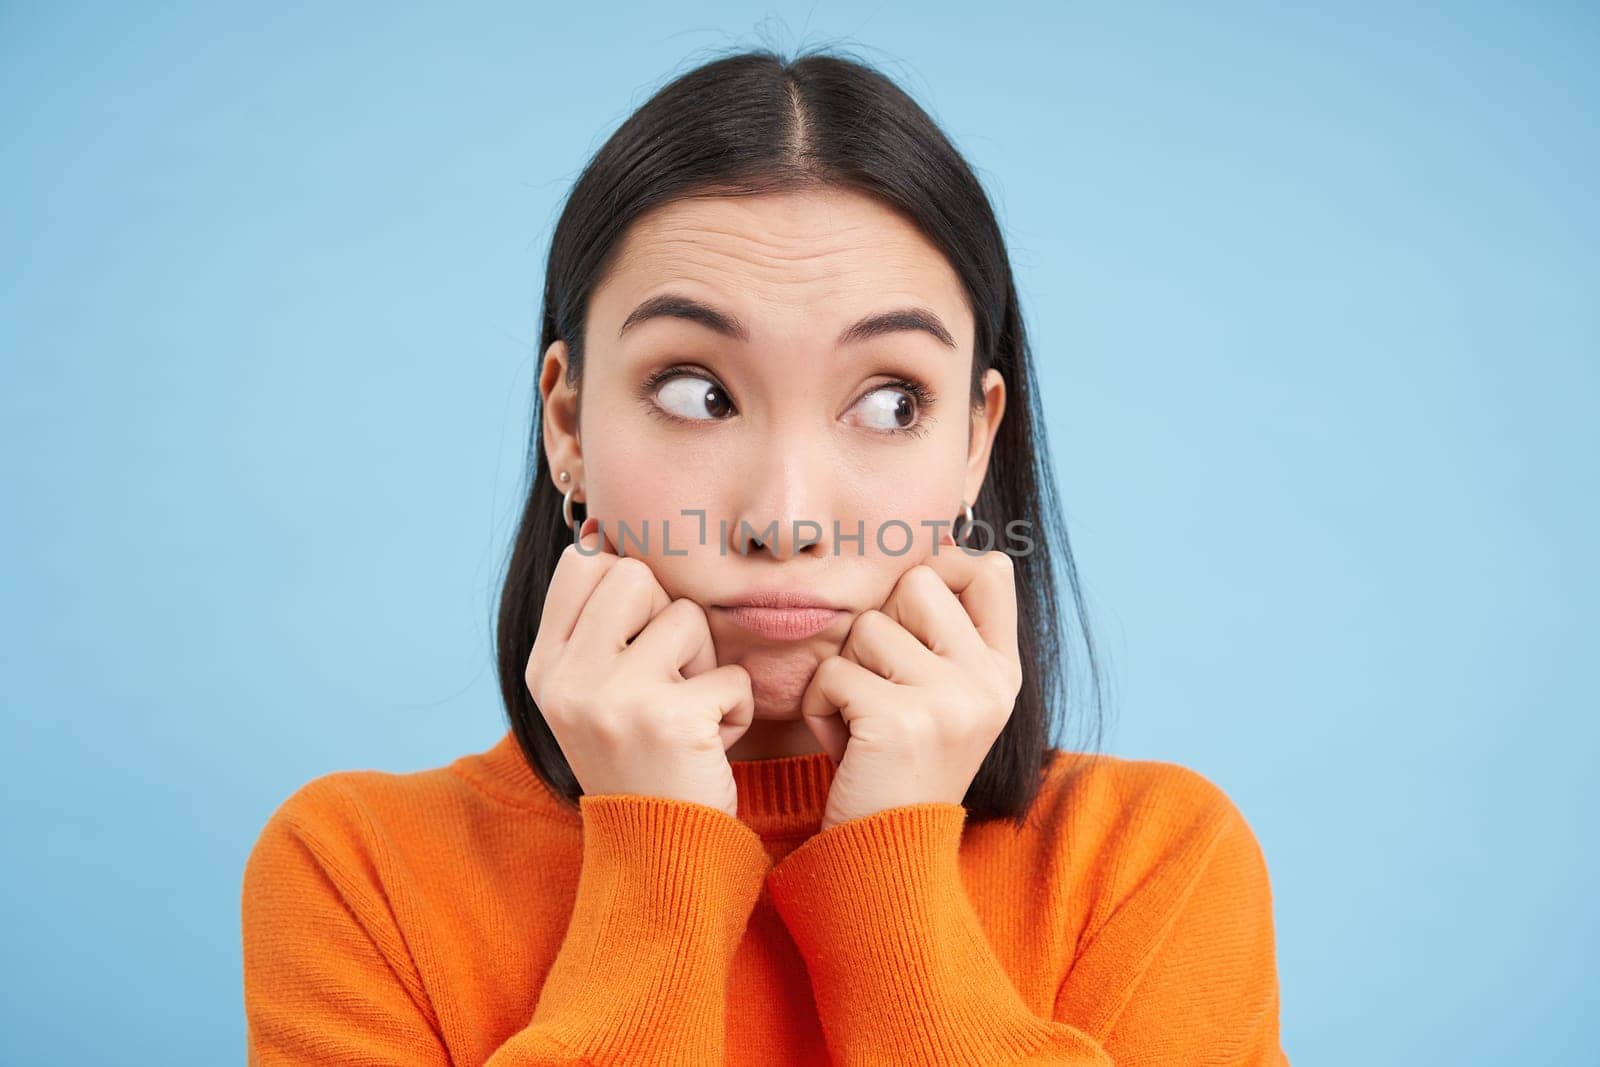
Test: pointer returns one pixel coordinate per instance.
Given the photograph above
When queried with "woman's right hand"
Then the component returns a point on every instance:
(628, 682)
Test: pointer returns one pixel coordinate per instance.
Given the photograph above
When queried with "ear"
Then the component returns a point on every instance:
(560, 430)
(985, 425)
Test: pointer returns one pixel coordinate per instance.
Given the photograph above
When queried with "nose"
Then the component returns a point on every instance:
(783, 509)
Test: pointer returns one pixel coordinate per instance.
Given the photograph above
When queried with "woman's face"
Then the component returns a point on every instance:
(780, 415)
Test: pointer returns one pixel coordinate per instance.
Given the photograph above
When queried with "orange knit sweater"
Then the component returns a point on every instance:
(465, 915)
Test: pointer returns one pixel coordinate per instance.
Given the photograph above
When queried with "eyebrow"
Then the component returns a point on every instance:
(676, 306)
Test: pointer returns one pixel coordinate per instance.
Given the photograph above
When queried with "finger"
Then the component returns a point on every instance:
(888, 649)
(575, 578)
(831, 733)
(986, 586)
(840, 690)
(924, 604)
(727, 691)
(626, 599)
(677, 639)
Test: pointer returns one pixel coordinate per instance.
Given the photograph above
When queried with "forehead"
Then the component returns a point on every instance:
(784, 260)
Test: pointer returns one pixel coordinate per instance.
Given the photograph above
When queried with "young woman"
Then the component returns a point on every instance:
(779, 785)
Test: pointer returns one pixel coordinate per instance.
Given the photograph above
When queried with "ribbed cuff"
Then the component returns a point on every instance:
(899, 963)
(663, 898)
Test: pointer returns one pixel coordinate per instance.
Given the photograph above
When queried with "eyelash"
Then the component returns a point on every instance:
(920, 394)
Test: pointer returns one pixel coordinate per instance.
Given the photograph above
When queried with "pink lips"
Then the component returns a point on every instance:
(781, 615)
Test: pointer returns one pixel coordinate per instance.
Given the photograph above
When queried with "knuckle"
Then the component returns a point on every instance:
(690, 611)
(680, 616)
(573, 557)
(869, 621)
(552, 701)
(633, 569)
(565, 699)
(922, 579)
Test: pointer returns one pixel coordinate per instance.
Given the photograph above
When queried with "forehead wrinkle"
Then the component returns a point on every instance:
(801, 261)
(757, 275)
(784, 229)
(777, 260)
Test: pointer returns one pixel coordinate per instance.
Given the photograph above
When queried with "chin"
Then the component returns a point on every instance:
(779, 713)
(778, 680)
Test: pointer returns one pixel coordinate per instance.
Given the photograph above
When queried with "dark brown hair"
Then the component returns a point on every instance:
(752, 123)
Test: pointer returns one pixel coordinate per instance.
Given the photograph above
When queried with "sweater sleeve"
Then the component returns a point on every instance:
(663, 896)
(900, 966)
(1180, 972)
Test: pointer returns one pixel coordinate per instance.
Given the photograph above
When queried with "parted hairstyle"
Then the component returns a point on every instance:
(751, 123)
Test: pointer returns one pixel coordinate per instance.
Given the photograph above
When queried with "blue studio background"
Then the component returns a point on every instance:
(1313, 294)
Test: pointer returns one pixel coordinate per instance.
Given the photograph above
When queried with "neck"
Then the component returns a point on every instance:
(779, 796)
(772, 738)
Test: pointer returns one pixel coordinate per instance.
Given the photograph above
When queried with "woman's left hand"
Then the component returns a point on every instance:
(914, 700)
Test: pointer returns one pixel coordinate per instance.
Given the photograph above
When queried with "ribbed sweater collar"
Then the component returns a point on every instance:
(778, 797)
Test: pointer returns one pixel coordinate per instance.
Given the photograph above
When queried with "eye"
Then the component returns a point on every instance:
(895, 407)
(691, 396)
